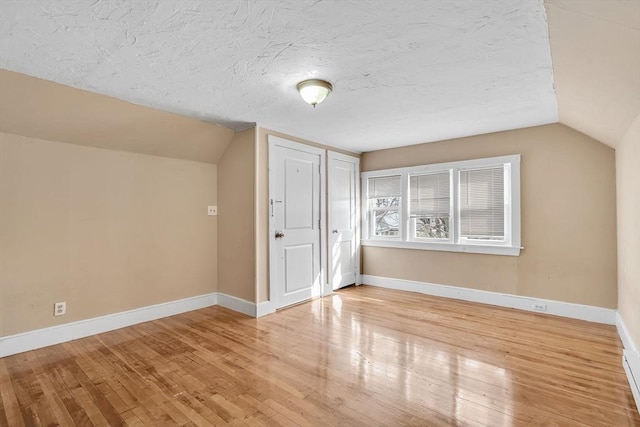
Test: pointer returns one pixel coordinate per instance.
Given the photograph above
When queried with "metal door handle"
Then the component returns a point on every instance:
(279, 234)
(335, 231)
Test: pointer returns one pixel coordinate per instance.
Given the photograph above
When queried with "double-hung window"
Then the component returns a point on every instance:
(466, 206)
(430, 206)
(384, 202)
(482, 204)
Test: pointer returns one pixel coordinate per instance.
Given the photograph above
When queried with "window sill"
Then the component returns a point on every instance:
(446, 247)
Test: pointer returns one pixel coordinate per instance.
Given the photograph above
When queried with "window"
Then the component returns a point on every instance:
(482, 203)
(467, 206)
(430, 205)
(385, 195)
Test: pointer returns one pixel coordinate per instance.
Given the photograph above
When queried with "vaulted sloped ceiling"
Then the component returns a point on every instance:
(41, 109)
(404, 71)
(595, 46)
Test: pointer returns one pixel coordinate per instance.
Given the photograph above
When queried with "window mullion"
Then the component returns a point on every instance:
(404, 208)
(365, 212)
(507, 205)
(514, 198)
(455, 207)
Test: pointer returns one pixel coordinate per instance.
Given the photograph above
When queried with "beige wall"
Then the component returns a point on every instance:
(568, 219)
(236, 209)
(628, 190)
(42, 109)
(262, 204)
(595, 48)
(105, 231)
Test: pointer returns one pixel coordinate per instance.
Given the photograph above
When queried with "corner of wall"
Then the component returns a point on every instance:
(236, 217)
(628, 233)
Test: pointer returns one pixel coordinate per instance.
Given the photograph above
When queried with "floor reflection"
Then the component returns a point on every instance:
(362, 356)
(423, 372)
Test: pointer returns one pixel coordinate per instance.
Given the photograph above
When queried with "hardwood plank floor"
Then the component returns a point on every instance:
(363, 356)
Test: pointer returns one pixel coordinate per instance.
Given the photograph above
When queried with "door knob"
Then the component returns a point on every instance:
(335, 231)
(279, 234)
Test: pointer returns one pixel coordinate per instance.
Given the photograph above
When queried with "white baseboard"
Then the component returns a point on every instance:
(558, 308)
(18, 343)
(237, 304)
(630, 359)
(327, 289)
(264, 308)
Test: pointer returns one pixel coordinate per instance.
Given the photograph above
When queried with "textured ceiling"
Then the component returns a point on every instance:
(404, 72)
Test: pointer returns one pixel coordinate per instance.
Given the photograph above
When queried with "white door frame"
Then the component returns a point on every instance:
(356, 161)
(275, 141)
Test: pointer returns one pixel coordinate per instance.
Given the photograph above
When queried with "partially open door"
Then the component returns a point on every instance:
(343, 220)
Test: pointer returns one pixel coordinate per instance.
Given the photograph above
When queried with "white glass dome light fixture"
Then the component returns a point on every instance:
(314, 91)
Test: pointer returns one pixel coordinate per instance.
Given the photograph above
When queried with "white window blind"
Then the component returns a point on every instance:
(386, 186)
(430, 195)
(430, 205)
(482, 203)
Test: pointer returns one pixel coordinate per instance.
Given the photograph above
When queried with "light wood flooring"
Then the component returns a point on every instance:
(364, 356)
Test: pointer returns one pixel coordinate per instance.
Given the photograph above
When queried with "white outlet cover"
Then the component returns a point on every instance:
(212, 210)
(59, 308)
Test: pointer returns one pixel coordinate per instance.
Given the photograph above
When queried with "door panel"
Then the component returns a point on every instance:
(298, 182)
(342, 194)
(343, 220)
(295, 193)
(345, 263)
(298, 262)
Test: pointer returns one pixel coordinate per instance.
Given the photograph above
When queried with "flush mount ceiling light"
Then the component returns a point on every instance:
(314, 91)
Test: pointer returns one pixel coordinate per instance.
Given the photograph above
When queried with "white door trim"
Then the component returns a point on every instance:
(273, 142)
(356, 161)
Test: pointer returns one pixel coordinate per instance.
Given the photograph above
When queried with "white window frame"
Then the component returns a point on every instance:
(452, 222)
(511, 245)
(400, 209)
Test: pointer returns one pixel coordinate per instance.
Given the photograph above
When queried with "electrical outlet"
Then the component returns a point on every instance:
(537, 306)
(59, 308)
(212, 210)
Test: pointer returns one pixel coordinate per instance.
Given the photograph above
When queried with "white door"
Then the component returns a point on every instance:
(296, 205)
(344, 256)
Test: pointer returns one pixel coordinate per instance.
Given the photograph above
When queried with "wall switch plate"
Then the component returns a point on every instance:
(59, 308)
(212, 210)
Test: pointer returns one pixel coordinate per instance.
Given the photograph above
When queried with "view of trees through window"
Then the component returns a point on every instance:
(431, 227)
(429, 204)
(387, 217)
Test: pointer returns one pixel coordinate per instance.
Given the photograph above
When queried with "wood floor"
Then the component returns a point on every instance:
(363, 356)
